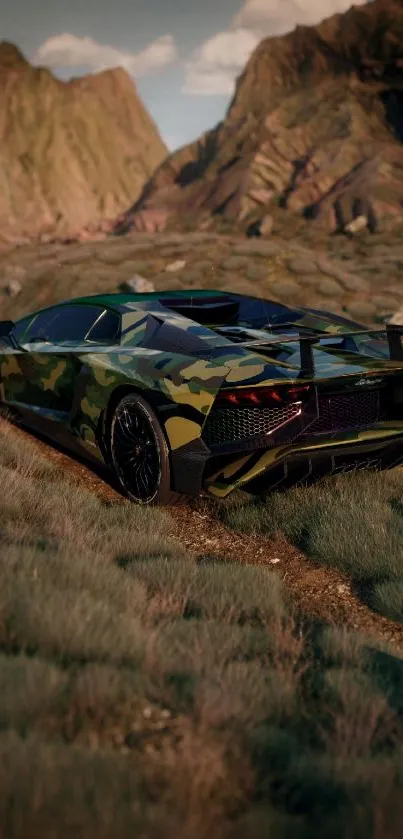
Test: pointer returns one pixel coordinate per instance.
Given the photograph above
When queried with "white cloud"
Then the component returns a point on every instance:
(215, 65)
(68, 50)
(275, 17)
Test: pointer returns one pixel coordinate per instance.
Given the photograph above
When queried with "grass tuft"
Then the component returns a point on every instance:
(353, 523)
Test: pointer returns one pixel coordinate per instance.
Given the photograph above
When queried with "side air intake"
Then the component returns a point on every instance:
(164, 336)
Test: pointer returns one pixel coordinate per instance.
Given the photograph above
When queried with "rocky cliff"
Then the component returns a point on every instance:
(315, 127)
(72, 154)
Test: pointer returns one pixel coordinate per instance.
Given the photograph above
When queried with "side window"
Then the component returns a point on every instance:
(38, 327)
(61, 324)
(20, 328)
(106, 329)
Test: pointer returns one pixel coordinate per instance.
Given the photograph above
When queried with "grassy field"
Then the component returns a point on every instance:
(352, 522)
(146, 694)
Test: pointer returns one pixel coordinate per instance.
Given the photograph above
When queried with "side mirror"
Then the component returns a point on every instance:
(6, 328)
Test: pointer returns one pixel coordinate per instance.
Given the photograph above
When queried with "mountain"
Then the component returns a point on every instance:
(315, 127)
(72, 154)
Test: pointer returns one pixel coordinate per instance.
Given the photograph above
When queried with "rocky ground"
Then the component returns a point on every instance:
(360, 277)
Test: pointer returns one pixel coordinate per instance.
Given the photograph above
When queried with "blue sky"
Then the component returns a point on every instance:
(184, 55)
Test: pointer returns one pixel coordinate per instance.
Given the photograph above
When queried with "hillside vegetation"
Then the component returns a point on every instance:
(144, 693)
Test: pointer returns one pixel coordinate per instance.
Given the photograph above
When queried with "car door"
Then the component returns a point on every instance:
(46, 365)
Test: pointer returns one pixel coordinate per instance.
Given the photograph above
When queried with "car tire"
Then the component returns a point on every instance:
(140, 453)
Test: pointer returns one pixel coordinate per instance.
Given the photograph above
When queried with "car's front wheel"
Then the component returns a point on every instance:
(140, 453)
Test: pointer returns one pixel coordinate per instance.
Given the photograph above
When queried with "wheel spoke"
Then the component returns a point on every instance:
(136, 453)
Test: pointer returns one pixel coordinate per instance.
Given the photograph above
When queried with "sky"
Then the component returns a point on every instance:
(184, 55)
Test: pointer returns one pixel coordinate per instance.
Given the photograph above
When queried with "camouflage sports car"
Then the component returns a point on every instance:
(190, 391)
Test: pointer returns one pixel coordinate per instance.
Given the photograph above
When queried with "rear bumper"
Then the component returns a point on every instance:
(195, 467)
(287, 465)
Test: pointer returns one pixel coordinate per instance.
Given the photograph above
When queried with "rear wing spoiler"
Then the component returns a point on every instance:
(393, 333)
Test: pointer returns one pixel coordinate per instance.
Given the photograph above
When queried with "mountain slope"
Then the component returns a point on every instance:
(315, 126)
(71, 153)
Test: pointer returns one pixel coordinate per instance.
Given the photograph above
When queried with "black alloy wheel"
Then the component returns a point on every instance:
(140, 453)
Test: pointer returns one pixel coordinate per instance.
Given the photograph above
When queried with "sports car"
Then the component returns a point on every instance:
(204, 391)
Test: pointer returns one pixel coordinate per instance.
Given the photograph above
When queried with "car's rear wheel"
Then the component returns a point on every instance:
(140, 453)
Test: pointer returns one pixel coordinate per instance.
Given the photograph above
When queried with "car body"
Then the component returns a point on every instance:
(244, 392)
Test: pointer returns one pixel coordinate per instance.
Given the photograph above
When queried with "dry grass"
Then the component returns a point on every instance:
(352, 522)
(146, 694)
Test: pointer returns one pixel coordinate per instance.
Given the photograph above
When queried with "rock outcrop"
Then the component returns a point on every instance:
(72, 154)
(315, 128)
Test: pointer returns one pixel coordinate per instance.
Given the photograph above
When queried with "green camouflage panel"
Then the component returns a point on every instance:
(72, 385)
(135, 318)
(249, 366)
(74, 389)
(236, 475)
(190, 384)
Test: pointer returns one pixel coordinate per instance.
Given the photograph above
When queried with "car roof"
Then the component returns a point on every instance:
(188, 302)
(119, 299)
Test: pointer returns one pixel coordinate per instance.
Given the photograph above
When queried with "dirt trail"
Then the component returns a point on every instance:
(319, 592)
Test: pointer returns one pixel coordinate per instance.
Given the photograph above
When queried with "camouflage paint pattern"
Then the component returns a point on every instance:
(72, 385)
(237, 474)
(52, 384)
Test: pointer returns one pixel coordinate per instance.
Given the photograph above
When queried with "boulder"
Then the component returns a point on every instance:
(137, 285)
(13, 288)
(176, 266)
(266, 226)
(357, 225)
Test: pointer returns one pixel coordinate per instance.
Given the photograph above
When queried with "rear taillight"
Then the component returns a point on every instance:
(262, 396)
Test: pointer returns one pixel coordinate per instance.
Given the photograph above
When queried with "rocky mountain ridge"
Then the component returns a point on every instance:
(72, 154)
(315, 127)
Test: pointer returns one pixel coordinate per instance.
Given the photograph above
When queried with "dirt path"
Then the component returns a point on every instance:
(317, 591)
